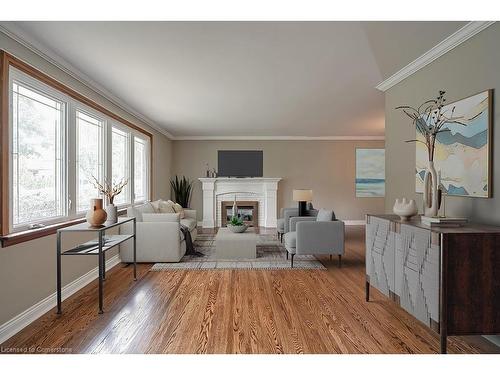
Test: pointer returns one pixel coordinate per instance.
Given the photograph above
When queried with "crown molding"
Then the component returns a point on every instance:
(34, 46)
(280, 138)
(454, 40)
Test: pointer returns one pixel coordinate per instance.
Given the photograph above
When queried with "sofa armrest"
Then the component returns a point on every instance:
(294, 220)
(156, 242)
(190, 213)
(320, 237)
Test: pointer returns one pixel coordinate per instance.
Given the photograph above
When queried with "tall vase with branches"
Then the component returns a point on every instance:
(110, 191)
(430, 119)
(182, 189)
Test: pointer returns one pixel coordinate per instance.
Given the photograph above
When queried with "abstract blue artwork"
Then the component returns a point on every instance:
(462, 152)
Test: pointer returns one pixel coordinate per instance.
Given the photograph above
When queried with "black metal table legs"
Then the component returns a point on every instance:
(135, 241)
(58, 272)
(367, 291)
(101, 272)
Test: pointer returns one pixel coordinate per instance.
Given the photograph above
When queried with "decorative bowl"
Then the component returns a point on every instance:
(405, 209)
(237, 228)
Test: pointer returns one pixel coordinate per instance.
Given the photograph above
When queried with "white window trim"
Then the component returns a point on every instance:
(37, 86)
(147, 145)
(71, 106)
(73, 191)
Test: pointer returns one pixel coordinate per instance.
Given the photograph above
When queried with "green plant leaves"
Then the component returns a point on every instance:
(182, 188)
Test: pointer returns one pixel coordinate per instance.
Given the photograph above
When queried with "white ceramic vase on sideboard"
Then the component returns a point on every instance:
(431, 204)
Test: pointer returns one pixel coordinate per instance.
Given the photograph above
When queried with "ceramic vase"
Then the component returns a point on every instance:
(431, 199)
(405, 209)
(235, 208)
(112, 212)
(96, 216)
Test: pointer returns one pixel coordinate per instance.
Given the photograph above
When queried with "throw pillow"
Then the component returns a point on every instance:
(324, 215)
(166, 208)
(156, 205)
(178, 209)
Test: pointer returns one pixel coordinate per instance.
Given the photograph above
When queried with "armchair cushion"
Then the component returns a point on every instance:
(294, 220)
(280, 225)
(325, 215)
(287, 214)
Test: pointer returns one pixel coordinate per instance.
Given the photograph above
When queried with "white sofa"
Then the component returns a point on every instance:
(159, 238)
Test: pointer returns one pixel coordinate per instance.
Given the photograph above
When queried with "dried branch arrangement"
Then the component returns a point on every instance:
(109, 190)
(429, 119)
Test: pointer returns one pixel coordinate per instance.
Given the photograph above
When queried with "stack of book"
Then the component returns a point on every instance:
(443, 221)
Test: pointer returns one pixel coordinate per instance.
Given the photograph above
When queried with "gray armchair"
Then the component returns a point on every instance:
(283, 223)
(315, 235)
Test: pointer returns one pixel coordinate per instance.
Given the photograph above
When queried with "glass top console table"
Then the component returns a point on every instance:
(97, 247)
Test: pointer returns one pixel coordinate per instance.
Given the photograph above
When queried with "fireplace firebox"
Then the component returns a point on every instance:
(248, 211)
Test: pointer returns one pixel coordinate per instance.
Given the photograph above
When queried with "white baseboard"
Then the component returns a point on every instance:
(17, 323)
(346, 222)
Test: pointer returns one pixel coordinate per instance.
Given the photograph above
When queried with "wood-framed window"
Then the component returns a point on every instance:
(53, 140)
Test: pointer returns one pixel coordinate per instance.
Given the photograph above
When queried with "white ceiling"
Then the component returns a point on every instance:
(310, 79)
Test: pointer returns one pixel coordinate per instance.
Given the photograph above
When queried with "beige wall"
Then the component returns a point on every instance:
(470, 68)
(27, 270)
(326, 167)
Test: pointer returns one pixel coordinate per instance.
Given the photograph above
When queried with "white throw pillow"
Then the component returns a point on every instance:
(166, 208)
(138, 211)
(156, 205)
(178, 209)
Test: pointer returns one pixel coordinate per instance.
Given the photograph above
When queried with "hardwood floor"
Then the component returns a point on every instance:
(237, 311)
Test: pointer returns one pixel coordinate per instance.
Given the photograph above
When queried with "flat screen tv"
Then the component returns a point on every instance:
(240, 163)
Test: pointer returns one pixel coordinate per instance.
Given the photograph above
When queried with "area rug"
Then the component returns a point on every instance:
(271, 255)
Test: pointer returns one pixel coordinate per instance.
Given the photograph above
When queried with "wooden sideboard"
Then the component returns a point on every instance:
(448, 278)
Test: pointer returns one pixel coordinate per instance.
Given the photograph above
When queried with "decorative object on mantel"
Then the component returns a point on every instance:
(433, 118)
(405, 209)
(207, 172)
(302, 196)
(236, 225)
(110, 191)
(182, 189)
(96, 216)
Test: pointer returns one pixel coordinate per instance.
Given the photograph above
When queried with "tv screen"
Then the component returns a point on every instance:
(241, 163)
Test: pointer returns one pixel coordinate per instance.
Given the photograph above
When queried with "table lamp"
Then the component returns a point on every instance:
(302, 196)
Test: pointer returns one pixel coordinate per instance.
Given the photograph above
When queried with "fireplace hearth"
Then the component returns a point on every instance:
(248, 211)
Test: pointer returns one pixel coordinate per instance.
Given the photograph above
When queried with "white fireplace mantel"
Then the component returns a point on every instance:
(264, 189)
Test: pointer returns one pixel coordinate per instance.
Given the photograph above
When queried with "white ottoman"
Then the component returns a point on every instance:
(229, 245)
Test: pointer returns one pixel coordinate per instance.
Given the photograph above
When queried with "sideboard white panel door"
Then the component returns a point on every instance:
(380, 254)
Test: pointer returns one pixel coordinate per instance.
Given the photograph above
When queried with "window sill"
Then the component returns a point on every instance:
(33, 234)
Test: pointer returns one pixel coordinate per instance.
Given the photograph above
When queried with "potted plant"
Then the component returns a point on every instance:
(182, 188)
(110, 191)
(236, 225)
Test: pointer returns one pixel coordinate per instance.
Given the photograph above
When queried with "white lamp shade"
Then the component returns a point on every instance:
(302, 195)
